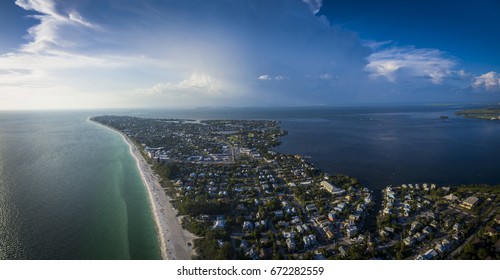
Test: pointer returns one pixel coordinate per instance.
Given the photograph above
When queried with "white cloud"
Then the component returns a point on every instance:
(76, 17)
(264, 77)
(45, 35)
(376, 44)
(490, 81)
(267, 77)
(198, 82)
(314, 5)
(326, 76)
(407, 62)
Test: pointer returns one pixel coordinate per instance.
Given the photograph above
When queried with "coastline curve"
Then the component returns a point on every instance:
(173, 238)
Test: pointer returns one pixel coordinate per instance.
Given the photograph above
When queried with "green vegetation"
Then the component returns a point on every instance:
(492, 113)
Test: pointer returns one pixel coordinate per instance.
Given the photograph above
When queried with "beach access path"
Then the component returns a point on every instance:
(175, 242)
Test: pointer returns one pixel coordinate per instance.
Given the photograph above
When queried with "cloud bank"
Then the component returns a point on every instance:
(489, 81)
(398, 63)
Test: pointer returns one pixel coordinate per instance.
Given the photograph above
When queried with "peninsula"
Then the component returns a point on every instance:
(492, 113)
(240, 199)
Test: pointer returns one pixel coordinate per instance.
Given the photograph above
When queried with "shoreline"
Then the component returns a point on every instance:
(173, 238)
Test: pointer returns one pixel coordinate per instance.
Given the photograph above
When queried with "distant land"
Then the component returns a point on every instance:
(243, 200)
(491, 113)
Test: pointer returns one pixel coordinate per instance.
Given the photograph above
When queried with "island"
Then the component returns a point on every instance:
(492, 113)
(240, 199)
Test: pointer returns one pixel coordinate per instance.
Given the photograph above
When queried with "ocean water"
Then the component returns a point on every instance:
(70, 189)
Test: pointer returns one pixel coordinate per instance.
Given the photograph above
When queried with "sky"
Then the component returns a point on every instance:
(57, 54)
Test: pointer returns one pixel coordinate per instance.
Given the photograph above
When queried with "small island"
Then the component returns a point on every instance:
(243, 200)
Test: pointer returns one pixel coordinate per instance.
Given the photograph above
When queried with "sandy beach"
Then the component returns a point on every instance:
(173, 238)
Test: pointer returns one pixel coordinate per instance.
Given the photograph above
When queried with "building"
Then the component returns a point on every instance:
(311, 208)
(470, 202)
(431, 254)
(351, 231)
(451, 197)
(332, 189)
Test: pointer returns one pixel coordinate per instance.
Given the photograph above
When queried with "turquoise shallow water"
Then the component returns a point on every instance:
(69, 189)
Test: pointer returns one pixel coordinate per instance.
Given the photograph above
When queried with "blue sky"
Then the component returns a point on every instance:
(104, 54)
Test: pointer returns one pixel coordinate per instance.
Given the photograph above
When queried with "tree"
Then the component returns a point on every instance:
(469, 249)
(482, 253)
(239, 220)
(399, 255)
(225, 252)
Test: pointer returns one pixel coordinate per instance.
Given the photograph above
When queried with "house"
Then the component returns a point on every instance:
(427, 230)
(351, 231)
(289, 234)
(340, 207)
(278, 213)
(299, 228)
(440, 248)
(343, 251)
(409, 241)
(451, 197)
(431, 254)
(415, 226)
(311, 208)
(443, 247)
(290, 243)
(219, 224)
(406, 213)
(389, 230)
(420, 236)
(247, 226)
(305, 227)
(319, 220)
(283, 224)
(433, 224)
(329, 234)
(331, 216)
(309, 240)
(264, 240)
(295, 220)
(490, 232)
(470, 202)
(456, 237)
(354, 217)
(391, 195)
